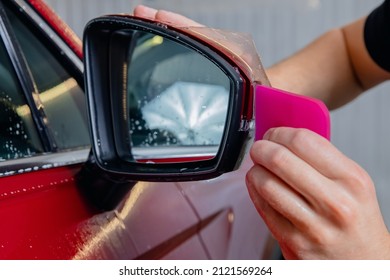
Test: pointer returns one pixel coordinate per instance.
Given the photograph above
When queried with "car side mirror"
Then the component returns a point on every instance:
(168, 103)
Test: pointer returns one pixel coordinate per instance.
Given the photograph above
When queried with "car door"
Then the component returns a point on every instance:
(232, 228)
(37, 172)
(47, 207)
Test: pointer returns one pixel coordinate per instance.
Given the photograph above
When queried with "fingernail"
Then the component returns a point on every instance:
(267, 135)
(145, 11)
(149, 8)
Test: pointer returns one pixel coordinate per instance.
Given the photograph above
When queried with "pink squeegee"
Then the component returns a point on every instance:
(276, 108)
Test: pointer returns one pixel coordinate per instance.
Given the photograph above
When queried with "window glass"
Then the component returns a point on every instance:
(18, 136)
(60, 93)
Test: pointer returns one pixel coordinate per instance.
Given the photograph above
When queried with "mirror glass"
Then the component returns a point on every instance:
(177, 101)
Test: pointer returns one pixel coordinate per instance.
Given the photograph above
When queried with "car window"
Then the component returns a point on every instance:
(18, 136)
(62, 97)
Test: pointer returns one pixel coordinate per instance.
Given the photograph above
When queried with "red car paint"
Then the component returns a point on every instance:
(46, 214)
(63, 30)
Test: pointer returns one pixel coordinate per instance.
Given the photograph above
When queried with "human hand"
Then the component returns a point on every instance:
(317, 203)
(165, 17)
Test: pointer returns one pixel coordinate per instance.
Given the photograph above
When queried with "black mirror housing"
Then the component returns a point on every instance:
(121, 61)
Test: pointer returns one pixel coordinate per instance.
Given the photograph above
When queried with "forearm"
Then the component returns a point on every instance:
(320, 70)
(335, 68)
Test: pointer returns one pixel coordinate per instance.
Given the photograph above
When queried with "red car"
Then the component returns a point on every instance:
(56, 199)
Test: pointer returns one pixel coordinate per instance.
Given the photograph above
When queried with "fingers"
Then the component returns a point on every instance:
(283, 230)
(176, 19)
(291, 170)
(165, 17)
(269, 191)
(145, 12)
(293, 156)
(303, 153)
(313, 149)
(272, 218)
(316, 202)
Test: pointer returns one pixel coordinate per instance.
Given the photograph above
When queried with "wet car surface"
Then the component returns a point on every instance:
(55, 203)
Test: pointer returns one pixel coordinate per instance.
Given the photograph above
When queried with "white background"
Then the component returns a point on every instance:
(103, 270)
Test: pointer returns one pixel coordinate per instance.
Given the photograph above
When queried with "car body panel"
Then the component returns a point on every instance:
(141, 227)
(46, 210)
(35, 208)
(47, 217)
(227, 195)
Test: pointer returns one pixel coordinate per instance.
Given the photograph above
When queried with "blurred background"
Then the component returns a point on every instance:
(279, 28)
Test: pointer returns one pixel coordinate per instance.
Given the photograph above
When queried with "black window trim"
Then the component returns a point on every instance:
(50, 158)
(63, 53)
(55, 40)
(43, 162)
(26, 81)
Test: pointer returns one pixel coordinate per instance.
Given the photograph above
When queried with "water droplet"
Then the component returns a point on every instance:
(162, 25)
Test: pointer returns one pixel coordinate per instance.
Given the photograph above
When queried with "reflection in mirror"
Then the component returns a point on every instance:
(177, 101)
